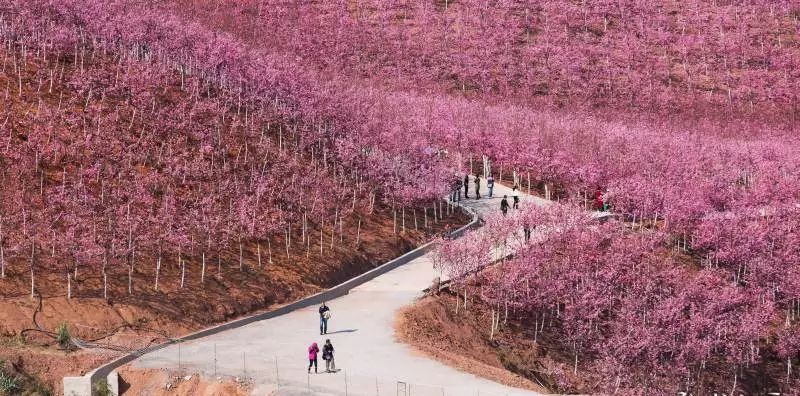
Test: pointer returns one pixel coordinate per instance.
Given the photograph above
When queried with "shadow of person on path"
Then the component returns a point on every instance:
(342, 331)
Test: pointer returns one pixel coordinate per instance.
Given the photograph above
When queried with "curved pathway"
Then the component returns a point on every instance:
(272, 353)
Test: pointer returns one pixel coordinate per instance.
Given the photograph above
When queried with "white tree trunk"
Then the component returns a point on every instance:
(788, 368)
(69, 286)
(491, 334)
(203, 269)
(371, 203)
(358, 233)
(287, 242)
(158, 270)
(575, 370)
(105, 275)
(529, 183)
(33, 259)
(183, 273)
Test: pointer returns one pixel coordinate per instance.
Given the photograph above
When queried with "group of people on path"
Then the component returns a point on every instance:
(458, 184)
(327, 349)
(327, 356)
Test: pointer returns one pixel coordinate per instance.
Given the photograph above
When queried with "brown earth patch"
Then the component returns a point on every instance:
(462, 341)
(163, 382)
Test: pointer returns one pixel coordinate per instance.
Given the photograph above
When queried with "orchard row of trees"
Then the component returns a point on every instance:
(691, 56)
(114, 149)
(637, 312)
(251, 117)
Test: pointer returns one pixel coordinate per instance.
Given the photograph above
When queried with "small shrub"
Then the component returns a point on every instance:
(63, 337)
(101, 388)
(8, 385)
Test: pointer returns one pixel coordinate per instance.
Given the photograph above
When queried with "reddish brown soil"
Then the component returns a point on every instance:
(34, 366)
(147, 315)
(514, 357)
(161, 382)
(462, 340)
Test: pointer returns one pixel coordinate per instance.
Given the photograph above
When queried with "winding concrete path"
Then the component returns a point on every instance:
(371, 361)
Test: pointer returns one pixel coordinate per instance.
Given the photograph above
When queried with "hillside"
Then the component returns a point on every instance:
(142, 201)
(691, 57)
(202, 143)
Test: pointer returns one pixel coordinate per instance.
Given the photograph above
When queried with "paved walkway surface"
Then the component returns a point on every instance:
(272, 353)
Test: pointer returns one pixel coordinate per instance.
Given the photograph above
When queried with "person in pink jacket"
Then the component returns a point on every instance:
(313, 350)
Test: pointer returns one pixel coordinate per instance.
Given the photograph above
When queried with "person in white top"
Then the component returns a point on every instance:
(515, 194)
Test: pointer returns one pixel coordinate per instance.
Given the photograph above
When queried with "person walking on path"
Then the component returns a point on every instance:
(466, 185)
(490, 184)
(327, 356)
(324, 315)
(313, 350)
(515, 195)
(477, 187)
(598, 200)
(526, 229)
(504, 205)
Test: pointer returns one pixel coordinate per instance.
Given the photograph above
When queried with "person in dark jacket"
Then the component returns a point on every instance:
(526, 229)
(504, 205)
(324, 315)
(466, 186)
(327, 356)
(477, 187)
(456, 195)
(313, 350)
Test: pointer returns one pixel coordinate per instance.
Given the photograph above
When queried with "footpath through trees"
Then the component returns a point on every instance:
(272, 353)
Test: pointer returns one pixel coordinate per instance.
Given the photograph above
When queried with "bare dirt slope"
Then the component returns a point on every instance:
(462, 340)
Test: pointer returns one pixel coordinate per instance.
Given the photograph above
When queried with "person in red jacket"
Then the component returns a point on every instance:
(313, 350)
(598, 199)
